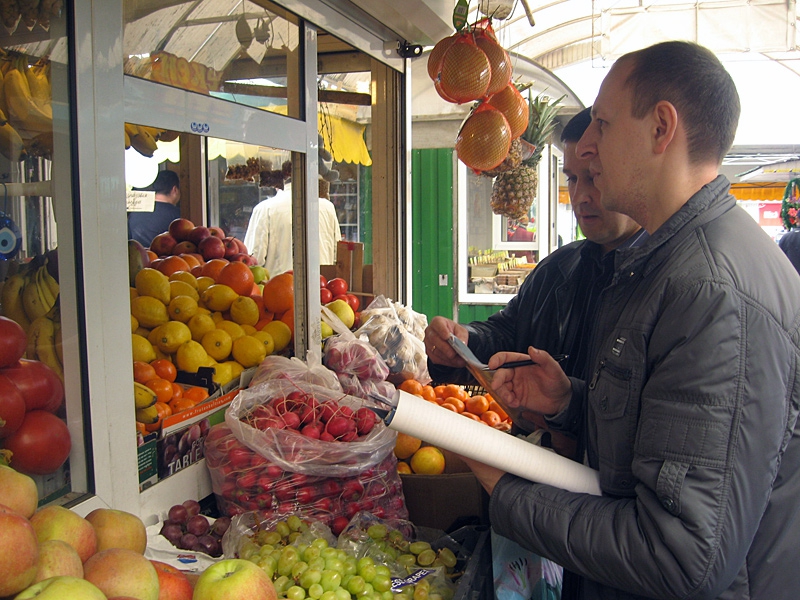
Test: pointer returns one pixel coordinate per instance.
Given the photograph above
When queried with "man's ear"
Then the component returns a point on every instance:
(665, 125)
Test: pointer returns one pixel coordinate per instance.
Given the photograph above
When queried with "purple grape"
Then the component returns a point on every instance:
(192, 507)
(173, 532)
(188, 541)
(197, 525)
(209, 545)
(220, 526)
(178, 513)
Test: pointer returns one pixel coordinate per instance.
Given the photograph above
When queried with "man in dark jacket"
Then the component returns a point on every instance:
(690, 411)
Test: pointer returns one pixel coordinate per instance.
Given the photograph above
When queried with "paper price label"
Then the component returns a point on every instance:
(140, 201)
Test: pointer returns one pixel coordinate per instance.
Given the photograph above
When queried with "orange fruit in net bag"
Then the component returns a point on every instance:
(437, 53)
(499, 63)
(484, 139)
(514, 108)
(464, 74)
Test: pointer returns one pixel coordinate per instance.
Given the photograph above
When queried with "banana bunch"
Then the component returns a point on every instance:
(44, 341)
(27, 94)
(39, 294)
(12, 299)
(142, 138)
(12, 145)
(145, 401)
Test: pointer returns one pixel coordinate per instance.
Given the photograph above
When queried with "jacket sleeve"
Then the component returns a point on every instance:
(709, 382)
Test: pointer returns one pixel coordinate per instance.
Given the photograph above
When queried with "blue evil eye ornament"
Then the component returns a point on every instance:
(10, 237)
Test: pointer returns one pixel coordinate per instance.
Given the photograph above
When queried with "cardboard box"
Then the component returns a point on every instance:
(350, 267)
(447, 501)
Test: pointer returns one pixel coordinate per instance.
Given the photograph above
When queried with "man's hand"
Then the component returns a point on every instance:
(438, 348)
(486, 475)
(542, 387)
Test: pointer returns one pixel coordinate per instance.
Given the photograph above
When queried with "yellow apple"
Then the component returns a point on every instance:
(19, 552)
(62, 588)
(18, 491)
(57, 558)
(344, 311)
(122, 572)
(59, 523)
(234, 579)
(118, 529)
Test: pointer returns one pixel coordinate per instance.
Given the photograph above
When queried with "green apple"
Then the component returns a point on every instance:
(18, 492)
(260, 274)
(234, 579)
(344, 311)
(122, 572)
(118, 529)
(62, 588)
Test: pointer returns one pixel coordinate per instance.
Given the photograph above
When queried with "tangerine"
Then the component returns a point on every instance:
(177, 391)
(428, 393)
(412, 386)
(472, 416)
(237, 276)
(491, 418)
(172, 264)
(213, 267)
(477, 405)
(494, 406)
(164, 369)
(195, 393)
(278, 293)
(457, 402)
(151, 255)
(162, 388)
(143, 372)
(181, 404)
(440, 390)
(456, 391)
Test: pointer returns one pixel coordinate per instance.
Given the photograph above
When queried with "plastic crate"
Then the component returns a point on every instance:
(477, 582)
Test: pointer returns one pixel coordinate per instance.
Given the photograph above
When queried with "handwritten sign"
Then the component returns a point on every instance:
(140, 201)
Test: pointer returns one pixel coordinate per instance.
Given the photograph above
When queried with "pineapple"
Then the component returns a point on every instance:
(513, 190)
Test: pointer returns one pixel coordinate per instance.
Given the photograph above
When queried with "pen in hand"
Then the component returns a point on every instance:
(528, 362)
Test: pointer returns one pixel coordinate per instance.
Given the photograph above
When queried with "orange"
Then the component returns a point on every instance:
(162, 388)
(278, 293)
(406, 445)
(440, 390)
(177, 391)
(143, 372)
(449, 405)
(403, 468)
(172, 264)
(428, 393)
(152, 256)
(495, 407)
(237, 276)
(472, 416)
(288, 318)
(428, 460)
(412, 386)
(491, 418)
(191, 260)
(457, 402)
(477, 405)
(142, 428)
(181, 404)
(264, 322)
(213, 267)
(456, 391)
(164, 369)
(195, 393)
(197, 271)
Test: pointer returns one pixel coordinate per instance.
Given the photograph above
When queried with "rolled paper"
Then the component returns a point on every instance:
(440, 427)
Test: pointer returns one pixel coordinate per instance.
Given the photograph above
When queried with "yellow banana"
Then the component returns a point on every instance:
(46, 287)
(148, 415)
(42, 344)
(12, 300)
(143, 396)
(24, 111)
(144, 143)
(32, 300)
(11, 144)
(39, 84)
(51, 282)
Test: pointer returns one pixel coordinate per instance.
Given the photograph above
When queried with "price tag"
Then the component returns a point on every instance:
(140, 201)
(460, 13)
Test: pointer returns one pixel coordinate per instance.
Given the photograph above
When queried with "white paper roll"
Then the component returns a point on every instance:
(438, 426)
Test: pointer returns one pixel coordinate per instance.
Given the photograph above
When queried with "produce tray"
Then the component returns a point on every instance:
(476, 583)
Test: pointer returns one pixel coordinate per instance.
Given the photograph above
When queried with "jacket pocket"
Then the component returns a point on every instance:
(610, 389)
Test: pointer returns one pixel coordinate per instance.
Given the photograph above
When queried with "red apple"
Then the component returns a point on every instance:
(118, 529)
(62, 588)
(58, 523)
(212, 247)
(18, 492)
(247, 259)
(217, 232)
(231, 247)
(163, 244)
(198, 234)
(234, 579)
(184, 247)
(20, 553)
(323, 283)
(337, 286)
(242, 247)
(180, 229)
(173, 584)
(58, 559)
(122, 572)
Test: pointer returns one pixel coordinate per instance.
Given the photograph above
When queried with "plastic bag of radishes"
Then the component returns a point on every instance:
(308, 429)
(244, 481)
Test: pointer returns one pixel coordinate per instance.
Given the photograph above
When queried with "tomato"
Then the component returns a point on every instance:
(13, 341)
(41, 444)
(323, 283)
(325, 295)
(353, 301)
(39, 385)
(12, 407)
(337, 286)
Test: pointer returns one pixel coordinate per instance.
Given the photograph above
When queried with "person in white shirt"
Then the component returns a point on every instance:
(269, 232)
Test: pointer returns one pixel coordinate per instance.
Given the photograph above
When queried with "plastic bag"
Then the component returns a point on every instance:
(298, 453)
(246, 527)
(403, 352)
(519, 574)
(294, 369)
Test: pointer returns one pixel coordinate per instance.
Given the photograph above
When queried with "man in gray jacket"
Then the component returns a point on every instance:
(690, 409)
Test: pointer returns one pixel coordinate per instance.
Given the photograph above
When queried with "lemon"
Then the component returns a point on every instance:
(266, 339)
(164, 355)
(234, 329)
(219, 297)
(236, 368)
(280, 332)
(248, 351)
(249, 329)
(153, 283)
(152, 337)
(217, 316)
(149, 311)
(134, 324)
(191, 356)
(181, 288)
(428, 460)
(142, 349)
(200, 325)
(222, 373)
(204, 282)
(217, 344)
(244, 311)
(202, 310)
(184, 276)
(134, 293)
(172, 335)
(182, 308)
(145, 333)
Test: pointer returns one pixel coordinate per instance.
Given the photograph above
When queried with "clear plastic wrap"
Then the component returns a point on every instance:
(293, 451)
(294, 369)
